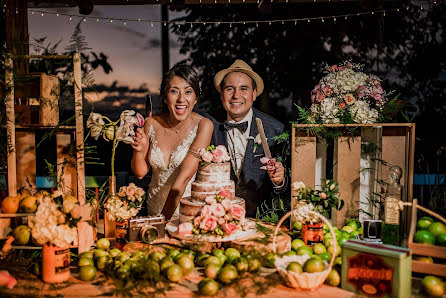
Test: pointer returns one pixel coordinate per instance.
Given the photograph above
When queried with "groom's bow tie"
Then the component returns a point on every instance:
(240, 126)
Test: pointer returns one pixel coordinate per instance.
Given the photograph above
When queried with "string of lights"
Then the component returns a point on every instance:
(152, 23)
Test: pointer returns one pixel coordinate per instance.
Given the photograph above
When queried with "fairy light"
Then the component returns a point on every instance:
(230, 25)
(125, 23)
(308, 20)
(42, 14)
(257, 24)
(111, 21)
(71, 18)
(97, 20)
(32, 12)
(295, 22)
(84, 19)
(334, 19)
(323, 21)
(57, 14)
(151, 24)
(139, 20)
(269, 23)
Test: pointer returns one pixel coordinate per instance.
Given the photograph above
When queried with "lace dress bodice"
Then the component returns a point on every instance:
(163, 176)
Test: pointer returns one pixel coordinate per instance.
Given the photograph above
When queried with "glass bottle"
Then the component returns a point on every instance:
(394, 192)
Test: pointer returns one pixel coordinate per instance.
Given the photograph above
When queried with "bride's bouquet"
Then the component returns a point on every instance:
(347, 95)
(126, 203)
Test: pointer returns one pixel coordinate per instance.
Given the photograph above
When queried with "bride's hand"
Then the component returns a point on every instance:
(141, 143)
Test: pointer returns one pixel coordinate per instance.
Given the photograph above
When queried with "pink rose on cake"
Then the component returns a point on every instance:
(214, 154)
(210, 200)
(206, 211)
(229, 228)
(185, 228)
(238, 212)
(218, 210)
(209, 223)
(224, 193)
(207, 157)
(226, 203)
(197, 221)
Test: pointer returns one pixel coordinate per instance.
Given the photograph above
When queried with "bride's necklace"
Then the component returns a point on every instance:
(177, 131)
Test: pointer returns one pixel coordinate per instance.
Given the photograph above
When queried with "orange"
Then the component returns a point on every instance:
(10, 204)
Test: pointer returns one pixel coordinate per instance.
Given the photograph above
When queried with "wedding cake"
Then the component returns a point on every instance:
(212, 207)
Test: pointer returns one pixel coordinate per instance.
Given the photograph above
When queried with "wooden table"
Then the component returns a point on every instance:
(266, 284)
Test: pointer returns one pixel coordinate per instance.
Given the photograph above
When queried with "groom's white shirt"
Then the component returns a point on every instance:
(237, 142)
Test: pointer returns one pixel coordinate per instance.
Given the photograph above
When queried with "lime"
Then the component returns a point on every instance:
(86, 254)
(325, 256)
(353, 223)
(290, 253)
(99, 253)
(347, 229)
(199, 261)
(337, 234)
(227, 274)
(137, 255)
(335, 228)
(174, 273)
(313, 265)
(187, 264)
(360, 230)
(424, 237)
(441, 240)
(329, 242)
(333, 278)
(211, 270)
(178, 256)
(190, 253)
(334, 250)
(296, 243)
(269, 260)
(319, 248)
(87, 273)
(103, 263)
(152, 271)
(254, 265)
(165, 264)
(123, 272)
(208, 287)
(424, 259)
(85, 262)
(427, 218)
(232, 253)
(173, 253)
(294, 267)
(157, 256)
(124, 256)
(344, 234)
(316, 257)
(423, 223)
(326, 228)
(114, 252)
(222, 258)
(437, 228)
(218, 252)
(213, 260)
(343, 239)
(103, 243)
(304, 250)
(328, 236)
(338, 261)
(354, 234)
(132, 263)
(241, 264)
(297, 225)
(433, 286)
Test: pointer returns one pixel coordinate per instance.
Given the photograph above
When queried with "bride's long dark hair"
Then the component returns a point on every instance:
(185, 72)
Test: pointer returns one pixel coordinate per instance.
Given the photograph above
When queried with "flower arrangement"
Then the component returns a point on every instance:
(126, 203)
(347, 95)
(55, 220)
(213, 154)
(218, 217)
(321, 201)
(116, 131)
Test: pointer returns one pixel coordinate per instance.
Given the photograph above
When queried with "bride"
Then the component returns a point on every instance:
(166, 143)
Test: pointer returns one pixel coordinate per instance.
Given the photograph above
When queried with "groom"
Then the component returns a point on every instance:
(239, 87)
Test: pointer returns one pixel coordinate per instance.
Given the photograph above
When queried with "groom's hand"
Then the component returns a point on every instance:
(277, 174)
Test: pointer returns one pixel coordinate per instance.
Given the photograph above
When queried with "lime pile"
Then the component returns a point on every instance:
(430, 232)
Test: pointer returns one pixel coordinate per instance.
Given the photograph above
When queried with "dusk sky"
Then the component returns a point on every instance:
(133, 50)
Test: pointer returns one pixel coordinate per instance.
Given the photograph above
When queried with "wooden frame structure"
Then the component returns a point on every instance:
(356, 172)
(65, 136)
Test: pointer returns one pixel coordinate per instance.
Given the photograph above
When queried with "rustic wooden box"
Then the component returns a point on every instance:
(425, 250)
(357, 173)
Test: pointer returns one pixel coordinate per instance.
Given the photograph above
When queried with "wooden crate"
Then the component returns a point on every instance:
(357, 173)
(21, 142)
(425, 250)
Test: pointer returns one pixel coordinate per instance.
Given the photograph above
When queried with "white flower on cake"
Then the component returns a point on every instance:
(126, 204)
(219, 216)
(54, 221)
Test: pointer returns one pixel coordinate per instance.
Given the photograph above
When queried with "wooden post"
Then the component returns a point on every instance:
(85, 230)
(10, 126)
(321, 162)
(67, 172)
(26, 159)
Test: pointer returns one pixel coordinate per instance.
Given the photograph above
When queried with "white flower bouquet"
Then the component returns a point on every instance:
(126, 204)
(55, 221)
(218, 217)
(347, 95)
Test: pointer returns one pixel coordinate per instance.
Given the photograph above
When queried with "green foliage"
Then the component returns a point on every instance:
(271, 214)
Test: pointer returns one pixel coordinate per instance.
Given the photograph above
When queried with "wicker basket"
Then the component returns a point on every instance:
(302, 281)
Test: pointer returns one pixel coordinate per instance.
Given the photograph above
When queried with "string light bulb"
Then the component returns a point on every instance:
(57, 14)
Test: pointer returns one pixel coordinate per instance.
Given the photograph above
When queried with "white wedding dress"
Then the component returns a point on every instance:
(163, 176)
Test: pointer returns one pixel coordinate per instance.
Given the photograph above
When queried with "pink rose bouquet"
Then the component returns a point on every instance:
(213, 154)
(126, 204)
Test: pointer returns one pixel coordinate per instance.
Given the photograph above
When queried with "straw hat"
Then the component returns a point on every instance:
(239, 66)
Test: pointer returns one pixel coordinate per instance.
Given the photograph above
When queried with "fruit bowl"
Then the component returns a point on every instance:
(304, 280)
